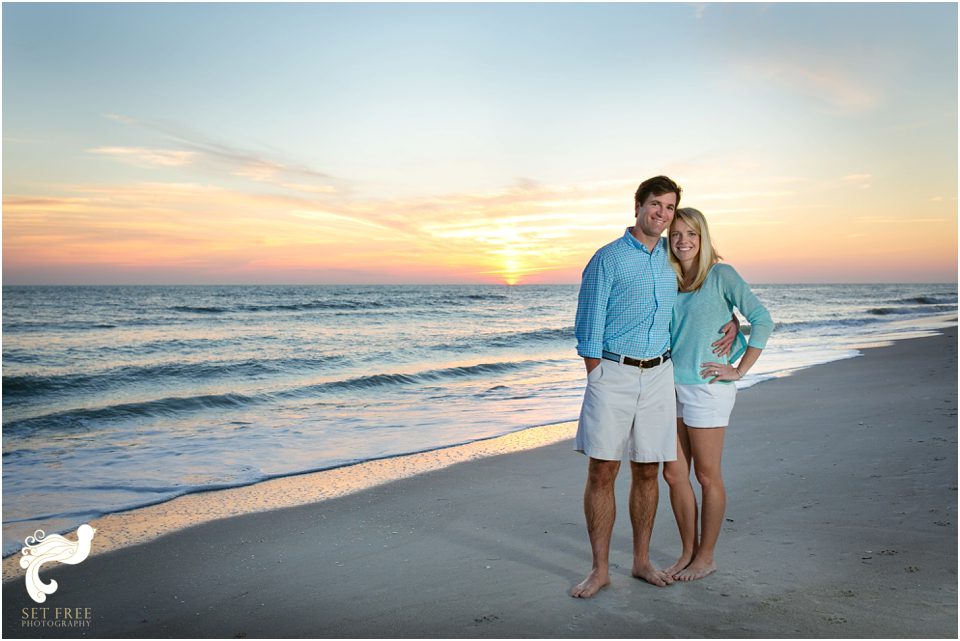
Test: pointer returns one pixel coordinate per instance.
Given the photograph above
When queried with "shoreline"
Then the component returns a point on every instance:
(119, 530)
(841, 522)
(126, 528)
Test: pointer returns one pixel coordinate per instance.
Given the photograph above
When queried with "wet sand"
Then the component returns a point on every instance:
(841, 522)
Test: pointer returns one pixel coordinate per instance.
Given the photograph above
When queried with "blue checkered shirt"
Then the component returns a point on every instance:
(626, 300)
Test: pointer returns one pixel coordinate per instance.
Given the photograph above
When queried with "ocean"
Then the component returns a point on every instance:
(119, 397)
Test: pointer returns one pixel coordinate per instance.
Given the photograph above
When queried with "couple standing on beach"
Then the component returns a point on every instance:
(657, 382)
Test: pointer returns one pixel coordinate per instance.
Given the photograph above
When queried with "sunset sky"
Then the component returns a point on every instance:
(472, 143)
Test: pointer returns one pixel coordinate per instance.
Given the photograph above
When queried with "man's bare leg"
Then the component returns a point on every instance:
(644, 494)
(600, 509)
(682, 499)
(706, 446)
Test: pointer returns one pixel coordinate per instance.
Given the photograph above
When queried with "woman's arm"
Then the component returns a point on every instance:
(727, 372)
(738, 293)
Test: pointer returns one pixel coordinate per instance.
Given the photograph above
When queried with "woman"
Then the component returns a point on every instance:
(706, 393)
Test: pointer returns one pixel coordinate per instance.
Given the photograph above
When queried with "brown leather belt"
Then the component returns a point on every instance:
(647, 364)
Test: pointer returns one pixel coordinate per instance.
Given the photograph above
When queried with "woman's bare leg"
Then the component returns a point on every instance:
(682, 499)
(706, 450)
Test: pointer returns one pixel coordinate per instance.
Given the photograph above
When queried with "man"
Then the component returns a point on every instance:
(623, 334)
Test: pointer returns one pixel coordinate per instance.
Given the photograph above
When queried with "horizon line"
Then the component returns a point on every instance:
(465, 284)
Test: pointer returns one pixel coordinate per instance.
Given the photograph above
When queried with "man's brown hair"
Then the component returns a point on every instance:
(657, 186)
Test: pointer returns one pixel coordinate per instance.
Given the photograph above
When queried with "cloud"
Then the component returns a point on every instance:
(746, 195)
(893, 220)
(25, 141)
(753, 221)
(331, 217)
(507, 235)
(840, 93)
(313, 189)
(235, 161)
(147, 157)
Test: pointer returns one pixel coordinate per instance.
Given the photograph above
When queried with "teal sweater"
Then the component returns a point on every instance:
(698, 317)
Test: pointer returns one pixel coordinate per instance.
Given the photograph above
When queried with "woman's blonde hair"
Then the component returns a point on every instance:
(706, 258)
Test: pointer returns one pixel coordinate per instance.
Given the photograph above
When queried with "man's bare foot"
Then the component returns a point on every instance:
(681, 563)
(696, 570)
(594, 582)
(647, 572)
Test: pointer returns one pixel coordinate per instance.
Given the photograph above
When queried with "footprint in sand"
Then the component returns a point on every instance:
(847, 593)
(911, 568)
(835, 620)
(888, 552)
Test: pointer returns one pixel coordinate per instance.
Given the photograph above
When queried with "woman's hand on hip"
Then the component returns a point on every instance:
(719, 372)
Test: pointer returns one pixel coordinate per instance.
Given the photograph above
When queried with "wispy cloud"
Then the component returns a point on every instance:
(218, 156)
(893, 220)
(512, 233)
(863, 181)
(527, 232)
(746, 195)
(338, 219)
(147, 157)
(840, 93)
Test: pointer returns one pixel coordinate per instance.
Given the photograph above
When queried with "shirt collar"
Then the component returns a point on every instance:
(630, 238)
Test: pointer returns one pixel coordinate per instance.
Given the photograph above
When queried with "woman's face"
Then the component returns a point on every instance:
(684, 241)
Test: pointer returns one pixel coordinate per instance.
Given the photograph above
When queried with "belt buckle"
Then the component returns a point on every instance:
(656, 361)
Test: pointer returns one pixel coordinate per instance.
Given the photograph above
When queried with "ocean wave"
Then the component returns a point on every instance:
(33, 325)
(924, 309)
(21, 357)
(84, 418)
(511, 339)
(838, 323)
(427, 376)
(317, 304)
(190, 309)
(338, 305)
(874, 316)
(342, 304)
(27, 387)
(485, 297)
(176, 406)
(925, 300)
(184, 345)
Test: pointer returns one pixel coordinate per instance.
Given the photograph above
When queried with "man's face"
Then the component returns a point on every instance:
(656, 213)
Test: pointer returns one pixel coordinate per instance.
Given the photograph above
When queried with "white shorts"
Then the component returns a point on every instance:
(706, 405)
(625, 405)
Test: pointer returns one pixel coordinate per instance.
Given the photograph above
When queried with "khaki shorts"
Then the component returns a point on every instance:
(625, 406)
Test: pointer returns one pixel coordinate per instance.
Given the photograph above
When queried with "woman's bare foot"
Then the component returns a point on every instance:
(594, 582)
(696, 570)
(647, 572)
(681, 563)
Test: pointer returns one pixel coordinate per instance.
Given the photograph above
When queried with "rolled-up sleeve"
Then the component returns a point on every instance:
(592, 308)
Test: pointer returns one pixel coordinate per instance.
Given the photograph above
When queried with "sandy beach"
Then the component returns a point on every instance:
(841, 522)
